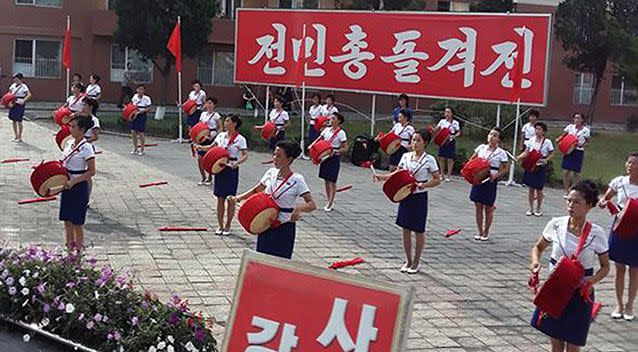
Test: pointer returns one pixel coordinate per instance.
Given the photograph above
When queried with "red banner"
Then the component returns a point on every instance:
(436, 55)
(281, 305)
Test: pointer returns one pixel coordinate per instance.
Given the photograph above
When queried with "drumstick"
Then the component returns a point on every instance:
(37, 200)
(374, 172)
(344, 188)
(342, 264)
(151, 145)
(595, 309)
(56, 189)
(613, 209)
(175, 229)
(158, 183)
(452, 232)
(266, 162)
(7, 161)
(486, 180)
(98, 152)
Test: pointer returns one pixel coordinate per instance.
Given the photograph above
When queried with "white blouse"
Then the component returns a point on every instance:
(496, 157)
(211, 120)
(20, 91)
(583, 134)
(529, 131)
(624, 189)
(314, 112)
(279, 118)
(143, 103)
(78, 161)
(76, 104)
(337, 141)
(286, 195)
(421, 168)
(545, 146)
(234, 150)
(93, 90)
(453, 126)
(405, 132)
(200, 98)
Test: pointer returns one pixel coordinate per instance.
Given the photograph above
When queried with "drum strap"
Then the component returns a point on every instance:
(281, 185)
(581, 241)
(231, 140)
(77, 99)
(75, 150)
(420, 163)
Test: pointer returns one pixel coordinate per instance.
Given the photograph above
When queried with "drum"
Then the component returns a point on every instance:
(128, 111)
(320, 151)
(62, 116)
(567, 144)
(389, 142)
(268, 130)
(258, 213)
(215, 159)
(63, 136)
(49, 178)
(442, 137)
(626, 225)
(320, 122)
(190, 107)
(533, 157)
(8, 98)
(399, 186)
(199, 132)
(476, 171)
(555, 294)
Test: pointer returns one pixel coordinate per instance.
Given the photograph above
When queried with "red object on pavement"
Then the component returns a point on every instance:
(343, 264)
(37, 200)
(344, 188)
(151, 145)
(366, 164)
(452, 232)
(7, 161)
(175, 229)
(595, 309)
(158, 183)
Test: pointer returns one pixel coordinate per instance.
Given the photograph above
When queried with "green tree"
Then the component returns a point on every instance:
(145, 25)
(493, 6)
(387, 5)
(626, 22)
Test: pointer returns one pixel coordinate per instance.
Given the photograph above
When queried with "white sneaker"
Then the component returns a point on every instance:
(133, 152)
(538, 213)
(414, 270)
(305, 157)
(140, 153)
(529, 213)
(207, 183)
(327, 208)
(447, 179)
(201, 183)
(404, 267)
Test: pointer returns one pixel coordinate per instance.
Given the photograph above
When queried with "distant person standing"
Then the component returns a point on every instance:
(127, 82)
(94, 91)
(16, 108)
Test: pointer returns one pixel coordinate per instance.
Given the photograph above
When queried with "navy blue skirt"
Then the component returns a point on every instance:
(413, 212)
(94, 110)
(16, 113)
(535, 179)
(278, 241)
(203, 152)
(448, 150)
(193, 119)
(139, 123)
(74, 203)
(312, 134)
(573, 161)
(572, 327)
(396, 157)
(226, 182)
(280, 136)
(329, 169)
(622, 250)
(485, 193)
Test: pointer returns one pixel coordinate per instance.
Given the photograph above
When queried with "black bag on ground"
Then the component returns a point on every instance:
(363, 149)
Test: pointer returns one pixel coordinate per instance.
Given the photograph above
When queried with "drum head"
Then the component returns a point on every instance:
(403, 193)
(53, 182)
(323, 156)
(262, 221)
(219, 165)
(393, 147)
(201, 135)
(481, 175)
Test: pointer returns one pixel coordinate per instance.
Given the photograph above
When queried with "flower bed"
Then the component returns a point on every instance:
(94, 307)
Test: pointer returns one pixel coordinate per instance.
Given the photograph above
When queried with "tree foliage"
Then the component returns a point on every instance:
(387, 5)
(493, 6)
(145, 25)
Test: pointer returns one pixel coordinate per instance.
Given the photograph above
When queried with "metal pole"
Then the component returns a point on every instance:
(303, 118)
(498, 115)
(179, 108)
(68, 69)
(267, 101)
(510, 181)
(374, 105)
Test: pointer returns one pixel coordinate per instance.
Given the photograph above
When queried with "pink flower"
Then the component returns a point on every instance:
(90, 325)
(134, 321)
(97, 317)
(116, 335)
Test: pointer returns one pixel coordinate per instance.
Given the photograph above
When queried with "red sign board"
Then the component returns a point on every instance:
(285, 306)
(464, 56)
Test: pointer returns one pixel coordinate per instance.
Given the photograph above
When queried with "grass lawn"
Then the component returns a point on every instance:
(604, 157)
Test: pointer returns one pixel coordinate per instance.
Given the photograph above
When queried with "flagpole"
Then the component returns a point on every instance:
(303, 92)
(266, 105)
(374, 107)
(68, 69)
(510, 180)
(179, 93)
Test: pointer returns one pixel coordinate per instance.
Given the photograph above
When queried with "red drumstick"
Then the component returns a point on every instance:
(7, 161)
(174, 229)
(158, 183)
(595, 309)
(151, 145)
(452, 232)
(613, 208)
(337, 265)
(36, 200)
(344, 188)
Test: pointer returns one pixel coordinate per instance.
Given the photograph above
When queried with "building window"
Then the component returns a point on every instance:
(217, 69)
(623, 93)
(285, 4)
(583, 88)
(141, 67)
(443, 6)
(227, 8)
(52, 3)
(456, 6)
(37, 58)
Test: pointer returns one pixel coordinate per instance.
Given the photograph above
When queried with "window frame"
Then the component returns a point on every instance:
(34, 4)
(126, 59)
(580, 86)
(34, 49)
(212, 69)
(621, 92)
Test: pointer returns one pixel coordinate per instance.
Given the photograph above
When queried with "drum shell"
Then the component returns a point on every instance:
(199, 132)
(268, 130)
(189, 107)
(533, 157)
(626, 225)
(127, 112)
(399, 186)
(320, 151)
(258, 213)
(567, 144)
(62, 116)
(390, 143)
(558, 289)
(8, 98)
(62, 136)
(476, 170)
(215, 159)
(48, 175)
(320, 122)
(442, 136)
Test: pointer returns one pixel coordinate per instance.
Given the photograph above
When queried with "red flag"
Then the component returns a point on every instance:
(516, 74)
(66, 48)
(175, 46)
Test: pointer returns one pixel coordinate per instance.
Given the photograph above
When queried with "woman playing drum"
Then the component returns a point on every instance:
(484, 194)
(280, 118)
(447, 152)
(16, 108)
(573, 162)
(569, 331)
(79, 160)
(624, 251)
(214, 122)
(404, 130)
(413, 210)
(535, 178)
(284, 186)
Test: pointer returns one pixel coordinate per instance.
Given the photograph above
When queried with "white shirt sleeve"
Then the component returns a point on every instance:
(616, 183)
(478, 149)
(403, 163)
(96, 122)
(265, 179)
(218, 139)
(342, 138)
(567, 128)
(550, 233)
(599, 243)
(550, 145)
(301, 187)
(586, 132)
(441, 123)
(434, 167)
(87, 151)
(241, 143)
(503, 156)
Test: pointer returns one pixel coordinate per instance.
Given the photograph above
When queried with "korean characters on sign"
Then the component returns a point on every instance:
(424, 54)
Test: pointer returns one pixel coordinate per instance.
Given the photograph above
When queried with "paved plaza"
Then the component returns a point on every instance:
(469, 296)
